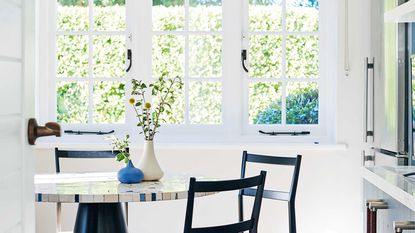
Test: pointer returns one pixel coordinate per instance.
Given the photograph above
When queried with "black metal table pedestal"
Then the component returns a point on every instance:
(100, 218)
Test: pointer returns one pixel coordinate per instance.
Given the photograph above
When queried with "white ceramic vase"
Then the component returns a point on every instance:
(149, 164)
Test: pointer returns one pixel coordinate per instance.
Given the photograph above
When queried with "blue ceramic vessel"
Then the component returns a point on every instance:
(130, 174)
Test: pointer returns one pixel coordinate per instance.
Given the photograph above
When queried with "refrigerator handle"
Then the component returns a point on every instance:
(369, 133)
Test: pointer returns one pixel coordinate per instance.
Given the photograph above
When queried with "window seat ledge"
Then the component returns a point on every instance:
(202, 146)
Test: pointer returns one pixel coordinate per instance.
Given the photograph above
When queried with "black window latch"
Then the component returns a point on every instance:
(88, 132)
(130, 60)
(244, 57)
(294, 133)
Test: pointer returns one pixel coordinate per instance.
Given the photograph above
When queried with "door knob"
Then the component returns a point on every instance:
(35, 131)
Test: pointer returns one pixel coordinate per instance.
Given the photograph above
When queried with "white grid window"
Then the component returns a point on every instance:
(282, 86)
(187, 42)
(289, 56)
(90, 61)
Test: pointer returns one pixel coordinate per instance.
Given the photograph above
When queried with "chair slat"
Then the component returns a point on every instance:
(269, 194)
(76, 154)
(227, 185)
(254, 158)
(231, 228)
(86, 154)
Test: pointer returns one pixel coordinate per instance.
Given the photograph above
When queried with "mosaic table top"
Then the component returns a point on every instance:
(105, 188)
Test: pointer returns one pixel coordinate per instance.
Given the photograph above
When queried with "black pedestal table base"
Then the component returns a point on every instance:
(100, 218)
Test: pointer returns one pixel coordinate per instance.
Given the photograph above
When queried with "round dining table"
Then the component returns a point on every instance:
(100, 195)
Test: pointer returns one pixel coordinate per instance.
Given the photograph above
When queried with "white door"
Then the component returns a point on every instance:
(17, 77)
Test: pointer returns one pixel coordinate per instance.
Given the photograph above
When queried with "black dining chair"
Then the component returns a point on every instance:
(222, 186)
(273, 194)
(77, 154)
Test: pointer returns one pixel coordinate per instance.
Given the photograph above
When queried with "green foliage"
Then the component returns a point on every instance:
(85, 2)
(205, 60)
(72, 102)
(109, 56)
(264, 96)
(302, 107)
(109, 102)
(149, 116)
(72, 56)
(205, 103)
(265, 56)
(302, 104)
(122, 146)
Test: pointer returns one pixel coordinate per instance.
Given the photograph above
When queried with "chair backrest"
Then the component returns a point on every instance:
(81, 155)
(222, 186)
(275, 160)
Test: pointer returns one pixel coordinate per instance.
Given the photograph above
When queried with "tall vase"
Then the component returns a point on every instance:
(149, 164)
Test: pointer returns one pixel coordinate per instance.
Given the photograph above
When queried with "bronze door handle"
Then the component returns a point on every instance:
(35, 131)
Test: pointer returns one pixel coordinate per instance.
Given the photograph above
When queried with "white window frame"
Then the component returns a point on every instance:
(318, 131)
(234, 128)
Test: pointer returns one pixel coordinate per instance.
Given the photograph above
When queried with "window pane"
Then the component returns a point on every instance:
(72, 56)
(109, 102)
(302, 103)
(205, 56)
(265, 103)
(72, 102)
(265, 15)
(302, 56)
(205, 15)
(265, 56)
(109, 15)
(205, 102)
(72, 15)
(413, 96)
(175, 115)
(168, 15)
(302, 15)
(168, 56)
(109, 56)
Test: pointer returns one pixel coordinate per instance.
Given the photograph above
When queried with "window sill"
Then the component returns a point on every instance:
(200, 146)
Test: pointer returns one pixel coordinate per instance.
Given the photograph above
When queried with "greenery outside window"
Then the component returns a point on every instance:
(200, 41)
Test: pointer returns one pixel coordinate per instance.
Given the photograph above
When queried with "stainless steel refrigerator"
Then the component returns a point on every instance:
(388, 78)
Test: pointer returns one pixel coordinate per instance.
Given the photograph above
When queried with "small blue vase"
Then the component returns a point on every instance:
(130, 174)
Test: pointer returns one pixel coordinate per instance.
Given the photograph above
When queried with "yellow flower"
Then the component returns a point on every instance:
(131, 101)
(147, 105)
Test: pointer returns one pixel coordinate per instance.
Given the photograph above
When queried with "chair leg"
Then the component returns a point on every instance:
(240, 208)
(58, 217)
(291, 217)
(126, 213)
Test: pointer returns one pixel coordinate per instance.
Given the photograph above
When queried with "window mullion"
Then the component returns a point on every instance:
(186, 63)
(90, 62)
(139, 24)
(129, 17)
(284, 63)
(232, 78)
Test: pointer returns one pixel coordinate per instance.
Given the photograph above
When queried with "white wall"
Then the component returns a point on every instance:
(329, 195)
